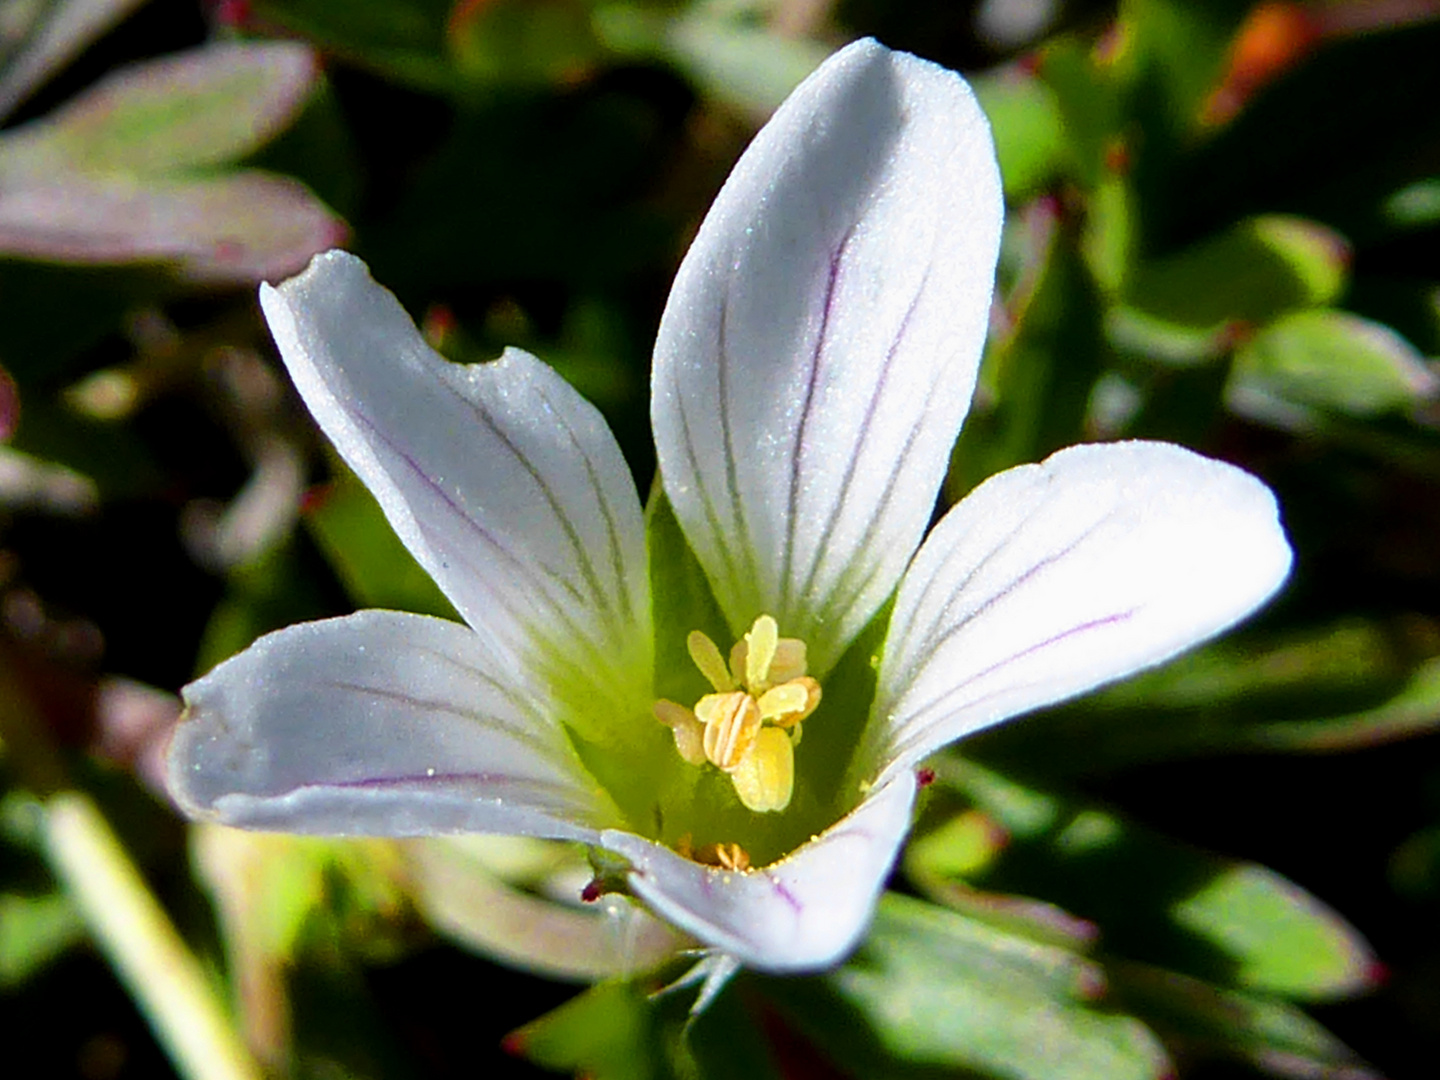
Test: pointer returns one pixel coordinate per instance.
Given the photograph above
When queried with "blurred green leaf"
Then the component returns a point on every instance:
(1036, 382)
(191, 110)
(605, 1033)
(374, 566)
(462, 896)
(35, 930)
(521, 42)
(1182, 49)
(1088, 97)
(1275, 1037)
(236, 227)
(1251, 273)
(930, 989)
(1316, 689)
(1279, 937)
(45, 36)
(1155, 900)
(1029, 130)
(740, 63)
(402, 39)
(1329, 360)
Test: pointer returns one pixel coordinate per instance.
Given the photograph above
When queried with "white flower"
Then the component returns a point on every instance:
(813, 366)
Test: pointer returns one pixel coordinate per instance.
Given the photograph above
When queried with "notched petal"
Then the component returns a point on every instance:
(504, 483)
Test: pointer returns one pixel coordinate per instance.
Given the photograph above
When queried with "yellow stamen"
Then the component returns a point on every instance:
(706, 655)
(750, 726)
(765, 777)
(789, 662)
(689, 732)
(726, 856)
(731, 723)
(789, 703)
(761, 642)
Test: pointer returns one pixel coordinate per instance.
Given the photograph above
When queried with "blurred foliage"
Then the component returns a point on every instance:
(1223, 231)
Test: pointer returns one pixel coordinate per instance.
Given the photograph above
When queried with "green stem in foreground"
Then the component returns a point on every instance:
(141, 943)
(125, 920)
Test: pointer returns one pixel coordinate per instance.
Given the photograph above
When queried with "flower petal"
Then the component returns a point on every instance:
(1050, 579)
(802, 913)
(820, 344)
(377, 723)
(505, 484)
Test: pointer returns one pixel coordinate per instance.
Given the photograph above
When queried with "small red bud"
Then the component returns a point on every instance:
(924, 777)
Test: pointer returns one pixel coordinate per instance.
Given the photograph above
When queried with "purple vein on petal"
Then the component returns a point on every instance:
(916, 722)
(934, 642)
(712, 518)
(552, 502)
(612, 533)
(722, 376)
(520, 735)
(827, 307)
(521, 567)
(867, 543)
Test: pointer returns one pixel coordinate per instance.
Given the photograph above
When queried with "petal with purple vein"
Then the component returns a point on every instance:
(378, 723)
(820, 344)
(1051, 579)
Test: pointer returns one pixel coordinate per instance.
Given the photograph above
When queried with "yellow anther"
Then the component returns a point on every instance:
(706, 655)
(749, 727)
(790, 702)
(731, 724)
(689, 732)
(760, 642)
(789, 662)
(726, 856)
(765, 777)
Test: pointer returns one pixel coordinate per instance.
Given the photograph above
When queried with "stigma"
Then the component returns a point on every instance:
(749, 727)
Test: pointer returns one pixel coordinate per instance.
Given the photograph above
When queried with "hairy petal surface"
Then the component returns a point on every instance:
(503, 481)
(820, 344)
(1050, 579)
(802, 913)
(378, 723)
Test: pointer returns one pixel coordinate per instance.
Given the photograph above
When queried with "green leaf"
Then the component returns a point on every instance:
(1154, 900)
(1327, 360)
(35, 930)
(1250, 273)
(522, 42)
(932, 989)
(1271, 1035)
(402, 39)
(374, 566)
(1314, 689)
(1037, 381)
(1029, 130)
(47, 36)
(740, 63)
(607, 1033)
(192, 110)
(1279, 938)
(463, 897)
(237, 227)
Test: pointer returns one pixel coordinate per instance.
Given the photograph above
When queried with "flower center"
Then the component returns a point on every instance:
(749, 727)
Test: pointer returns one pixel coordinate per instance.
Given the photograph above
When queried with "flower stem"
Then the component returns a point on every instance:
(141, 943)
(125, 920)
